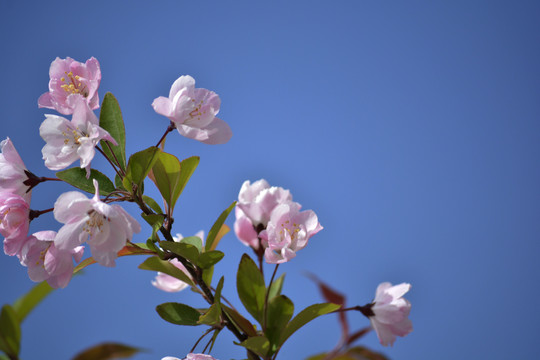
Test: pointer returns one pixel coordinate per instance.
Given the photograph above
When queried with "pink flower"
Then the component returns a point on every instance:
(14, 222)
(192, 356)
(194, 111)
(68, 141)
(255, 205)
(70, 78)
(105, 227)
(287, 232)
(245, 232)
(46, 262)
(12, 169)
(390, 312)
(171, 284)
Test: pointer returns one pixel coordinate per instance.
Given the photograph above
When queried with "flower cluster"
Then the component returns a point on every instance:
(267, 219)
(49, 255)
(14, 199)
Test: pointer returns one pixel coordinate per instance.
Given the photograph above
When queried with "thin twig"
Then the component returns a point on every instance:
(109, 160)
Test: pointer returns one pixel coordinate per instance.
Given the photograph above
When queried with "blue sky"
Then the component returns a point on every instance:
(411, 128)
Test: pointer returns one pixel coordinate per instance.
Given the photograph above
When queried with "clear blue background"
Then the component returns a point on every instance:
(412, 128)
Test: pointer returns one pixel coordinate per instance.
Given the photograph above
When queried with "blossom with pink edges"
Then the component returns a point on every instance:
(288, 231)
(68, 141)
(106, 228)
(255, 205)
(191, 356)
(71, 79)
(12, 169)
(46, 262)
(171, 284)
(14, 222)
(391, 312)
(194, 111)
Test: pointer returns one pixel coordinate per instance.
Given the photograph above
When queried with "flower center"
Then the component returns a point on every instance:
(73, 85)
(197, 113)
(291, 230)
(73, 136)
(94, 221)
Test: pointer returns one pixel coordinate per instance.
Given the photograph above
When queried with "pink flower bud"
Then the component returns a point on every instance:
(12, 169)
(194, 111)
(14, 222)
(71, 79)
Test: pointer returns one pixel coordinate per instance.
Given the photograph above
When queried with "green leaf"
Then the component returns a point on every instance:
(240, 321)
(179, 314)
(187, 167)
(110, 119)
(152, 204)
(155, 220)
(118, 182)
(216, 227)
(77, 177)
(365, 353)
(26, 303)
(166, 172)
(10, 332)
(305, 316)
(212, 316)
(139, 165)
(107, 351)
(251, 287)
(258, 344)
(193, 240)
(280, 311)
(156, 264)
(187, 251)
(210, 258)
(207, 275)
(219, 288)
(275, 288)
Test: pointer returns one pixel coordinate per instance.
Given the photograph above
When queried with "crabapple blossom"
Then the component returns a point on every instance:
(68, 141)
(171, 284)
(46, 262)
(192, 356)
(71, 79)
(255, 205)
(245, 232)
(390, 312)
(288, 231)
(12, 169)
(105, 227)
(193, 111)
(14, 222)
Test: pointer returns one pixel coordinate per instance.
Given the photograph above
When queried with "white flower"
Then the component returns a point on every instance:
(68, 141)
(390, 312)
(105, 227)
